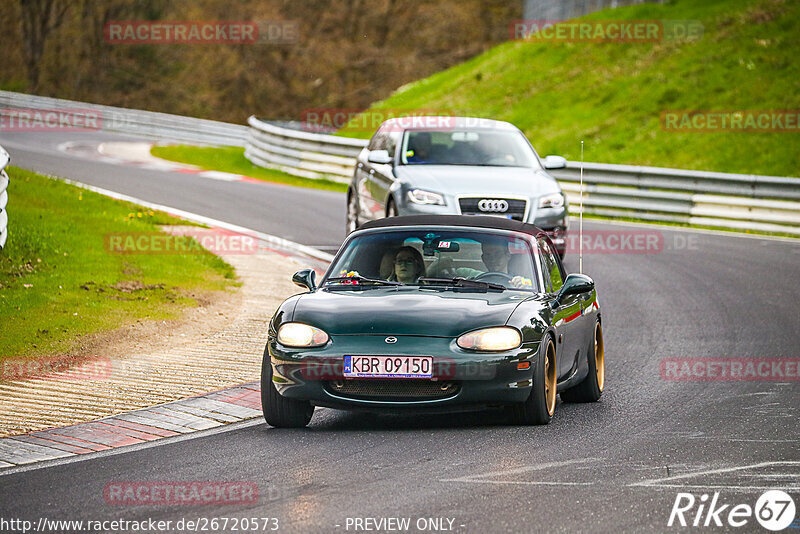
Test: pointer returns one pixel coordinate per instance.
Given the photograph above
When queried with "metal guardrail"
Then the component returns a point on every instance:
(307, 154)
(148, 124)
(4, 159)
(736, 201)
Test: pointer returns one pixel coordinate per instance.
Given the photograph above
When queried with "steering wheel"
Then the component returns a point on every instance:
(494, 276)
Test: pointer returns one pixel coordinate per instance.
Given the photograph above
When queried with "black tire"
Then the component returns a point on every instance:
(352, 214)
(591, 388)
(541, 404)
(279, 411)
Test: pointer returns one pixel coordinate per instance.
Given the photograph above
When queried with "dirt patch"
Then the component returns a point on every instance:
(129, 286)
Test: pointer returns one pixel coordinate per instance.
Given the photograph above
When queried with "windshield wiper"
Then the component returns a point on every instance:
(460, 281)
(363, 280)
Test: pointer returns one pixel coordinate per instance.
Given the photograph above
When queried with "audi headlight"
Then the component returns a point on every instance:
(420, 196)
(496, 339)
(554, 200)
(301, 335)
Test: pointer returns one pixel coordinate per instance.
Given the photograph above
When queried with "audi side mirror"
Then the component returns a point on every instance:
(555, 162)
(305, 278)
(381, 157)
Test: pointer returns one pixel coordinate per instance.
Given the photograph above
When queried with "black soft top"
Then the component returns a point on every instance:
(472, 221)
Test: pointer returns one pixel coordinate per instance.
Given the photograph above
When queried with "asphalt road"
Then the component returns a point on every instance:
(308, 216)
(614, 466)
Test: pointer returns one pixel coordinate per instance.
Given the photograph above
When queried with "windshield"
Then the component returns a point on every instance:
(435, 257)
(495, 148)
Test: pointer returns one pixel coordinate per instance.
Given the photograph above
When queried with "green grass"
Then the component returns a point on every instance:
(232, 160)
(58, 282)
(612, 95)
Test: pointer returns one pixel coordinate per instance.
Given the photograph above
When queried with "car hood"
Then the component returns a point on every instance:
(467, 180)
(406, 311)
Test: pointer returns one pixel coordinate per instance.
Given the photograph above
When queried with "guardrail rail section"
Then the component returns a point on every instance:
(307, 154)
(736, 201)
(4, 159)
(148, 124)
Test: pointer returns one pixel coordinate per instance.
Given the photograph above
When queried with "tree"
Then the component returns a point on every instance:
(39, 19)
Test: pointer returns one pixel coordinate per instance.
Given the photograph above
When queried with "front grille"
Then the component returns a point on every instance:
(516, 207)
(392, 389)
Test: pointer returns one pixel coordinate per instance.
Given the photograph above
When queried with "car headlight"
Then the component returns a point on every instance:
(301, 335)
(420, 196)
(554, 200)
(491, 339)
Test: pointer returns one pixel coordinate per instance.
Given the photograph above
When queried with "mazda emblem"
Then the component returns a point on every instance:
(493, 205)
(391, 339)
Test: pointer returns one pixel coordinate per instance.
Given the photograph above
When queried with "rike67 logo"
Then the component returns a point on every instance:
(774, 510)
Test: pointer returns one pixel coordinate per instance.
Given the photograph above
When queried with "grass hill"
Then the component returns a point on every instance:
(612, 95)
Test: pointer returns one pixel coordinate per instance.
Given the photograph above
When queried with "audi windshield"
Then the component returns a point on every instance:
(490, 148)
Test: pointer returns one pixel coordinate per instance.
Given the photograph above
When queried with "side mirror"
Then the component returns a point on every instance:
(380, 157)
(575, 284)
(305, 278)
(555, 162)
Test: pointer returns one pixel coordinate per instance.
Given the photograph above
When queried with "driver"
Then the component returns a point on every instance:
(495, 256)
(419, 148)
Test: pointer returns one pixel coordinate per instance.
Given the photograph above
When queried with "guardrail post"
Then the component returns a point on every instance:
(4, 180)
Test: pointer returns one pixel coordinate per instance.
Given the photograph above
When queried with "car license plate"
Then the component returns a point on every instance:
(388, 367)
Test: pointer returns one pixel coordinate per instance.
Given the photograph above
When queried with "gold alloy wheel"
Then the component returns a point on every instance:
(599, 357)
(550, 378)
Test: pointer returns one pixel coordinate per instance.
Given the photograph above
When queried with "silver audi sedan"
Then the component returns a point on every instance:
(456, 165)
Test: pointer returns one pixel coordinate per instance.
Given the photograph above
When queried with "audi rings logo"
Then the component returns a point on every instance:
(496, 206)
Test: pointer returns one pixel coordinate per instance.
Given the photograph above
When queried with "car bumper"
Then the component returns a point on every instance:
(461, 378)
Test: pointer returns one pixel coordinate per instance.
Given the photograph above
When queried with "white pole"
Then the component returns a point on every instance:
(580, 223)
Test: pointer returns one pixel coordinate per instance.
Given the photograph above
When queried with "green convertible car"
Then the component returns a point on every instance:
(437, 313)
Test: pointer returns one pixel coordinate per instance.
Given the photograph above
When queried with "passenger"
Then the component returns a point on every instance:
(408, 266)
(491, 152)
